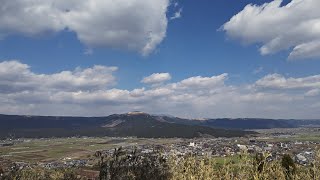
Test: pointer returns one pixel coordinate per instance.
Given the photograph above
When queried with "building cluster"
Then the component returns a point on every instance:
(302, 152)
(64, 164)
(6, 143)
(11, 142)
(50, 165)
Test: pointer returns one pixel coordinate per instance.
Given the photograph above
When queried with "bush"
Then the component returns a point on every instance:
(288, 164)
(39, 174)
(259, 162)
(1, 171)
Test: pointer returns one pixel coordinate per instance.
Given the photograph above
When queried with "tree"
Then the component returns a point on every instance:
(259, 162)
(1, 171)
(288, 165)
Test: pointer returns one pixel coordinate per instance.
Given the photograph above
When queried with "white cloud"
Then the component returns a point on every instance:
(177, 14)
(203, 82)
(17, 77)
(91, 92)
(138, 25)
(277, 81)
(29, 17)
(295, 25)
(156, 78)
(306, 50)
(313, 92)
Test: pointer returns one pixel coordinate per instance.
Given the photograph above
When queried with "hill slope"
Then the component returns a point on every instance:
(249, 123)
(131, 124)
(246, 123)
(136, 124)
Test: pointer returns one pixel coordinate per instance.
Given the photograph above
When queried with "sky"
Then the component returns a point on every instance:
(187, 58)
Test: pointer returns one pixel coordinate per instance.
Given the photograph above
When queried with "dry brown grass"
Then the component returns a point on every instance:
(195, 168)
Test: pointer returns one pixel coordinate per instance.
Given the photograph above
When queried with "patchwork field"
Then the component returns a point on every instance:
(43, 150)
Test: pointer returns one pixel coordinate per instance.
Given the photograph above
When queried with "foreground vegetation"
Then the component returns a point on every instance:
(131, 166)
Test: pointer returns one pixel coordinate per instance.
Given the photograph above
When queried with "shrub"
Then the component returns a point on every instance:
(1, 171)
(289, 167)
(259, 162)
(39, 174)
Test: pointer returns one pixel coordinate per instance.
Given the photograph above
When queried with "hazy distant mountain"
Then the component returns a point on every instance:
(243, 123)
(249, 123)
(236, 123)
(137, 124)
(131, 124)
(145, 125)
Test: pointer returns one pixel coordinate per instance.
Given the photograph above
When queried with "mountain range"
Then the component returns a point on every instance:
(137, 124)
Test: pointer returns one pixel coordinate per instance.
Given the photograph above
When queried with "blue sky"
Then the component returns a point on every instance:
(197, 44)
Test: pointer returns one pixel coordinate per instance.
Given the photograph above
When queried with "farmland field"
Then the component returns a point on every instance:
(43, 150)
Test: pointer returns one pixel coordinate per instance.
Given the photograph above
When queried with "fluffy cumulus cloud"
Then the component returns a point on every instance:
(16, 77)
(295, 26)
(138, 25)
(91, 92)
(277, 81)
(156, 78)
(203, 82)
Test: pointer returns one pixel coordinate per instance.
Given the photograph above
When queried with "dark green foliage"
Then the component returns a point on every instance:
(288, 165)
(12, 174)
(70, 175)
(131, 166)
(259, 162)
(1, 171)
(40, 174)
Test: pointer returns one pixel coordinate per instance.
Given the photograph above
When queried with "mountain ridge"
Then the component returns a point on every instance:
(139, 124)
(120, 125)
